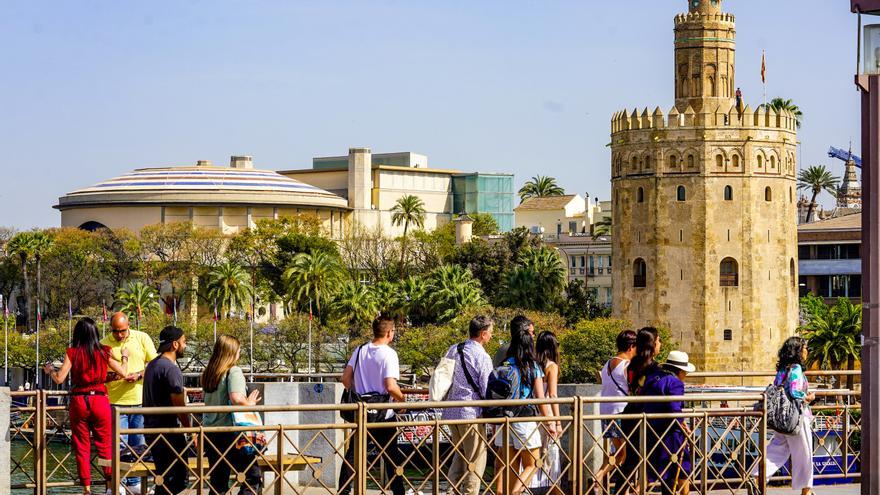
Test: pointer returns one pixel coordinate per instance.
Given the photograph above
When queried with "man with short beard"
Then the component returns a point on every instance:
(163, 387)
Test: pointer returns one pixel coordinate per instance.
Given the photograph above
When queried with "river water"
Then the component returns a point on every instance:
(22, 453)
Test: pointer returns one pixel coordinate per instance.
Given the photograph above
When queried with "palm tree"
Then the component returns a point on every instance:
(602, 227)
(833, 336)
(816, 179)
(355, 304)
(540, 186)
(310, 276)
(408, 210)
(452, 290)
(388, 298)
(778, 104)
(413, 299)
(519, 289)
(136, 298)
(23, 246)
(42, 244)
(538, 282)
(229, 287)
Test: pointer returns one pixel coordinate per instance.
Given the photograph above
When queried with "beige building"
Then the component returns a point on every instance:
(557, 215)
(372, 184)
(705, 237)
(588, 260)
(224, 198)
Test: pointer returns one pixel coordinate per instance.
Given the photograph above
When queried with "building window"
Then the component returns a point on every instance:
(640, 195)
(760, 161)
(735, 161)
(772, 161)
(719, 160)
(690, 161)
(768, 194)
(640, 273)
(635, 163)
(592, 267)
(681, 194)
(791, 273)
(648, 162)
(729, 273)
(790, 194)
(572, 227)
(558, 229)
(728, 334)
(728, 193)
(673, 161)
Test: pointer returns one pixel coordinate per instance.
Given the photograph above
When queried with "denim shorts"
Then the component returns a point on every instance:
(612, 428)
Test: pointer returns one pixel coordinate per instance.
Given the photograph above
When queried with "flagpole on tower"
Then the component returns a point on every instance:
(764, 75)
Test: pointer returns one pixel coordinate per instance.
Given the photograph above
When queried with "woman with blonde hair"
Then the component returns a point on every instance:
(224, 384)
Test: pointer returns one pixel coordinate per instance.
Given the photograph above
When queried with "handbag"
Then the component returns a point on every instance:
(349, 396)
(250, 442)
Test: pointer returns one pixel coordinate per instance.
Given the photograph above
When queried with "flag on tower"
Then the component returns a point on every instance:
(763, 68)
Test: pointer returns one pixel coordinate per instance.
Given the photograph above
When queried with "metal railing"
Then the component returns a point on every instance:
(726, 438)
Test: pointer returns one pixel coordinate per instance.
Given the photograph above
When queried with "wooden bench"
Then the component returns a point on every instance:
(267, 463)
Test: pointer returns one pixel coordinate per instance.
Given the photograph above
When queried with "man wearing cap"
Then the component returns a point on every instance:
(670, 463)
(163, 387)
(128, 391)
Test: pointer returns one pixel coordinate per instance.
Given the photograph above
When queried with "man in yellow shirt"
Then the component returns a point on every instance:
(128, 391)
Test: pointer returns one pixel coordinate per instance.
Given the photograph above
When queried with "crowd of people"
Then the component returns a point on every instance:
(125, 370)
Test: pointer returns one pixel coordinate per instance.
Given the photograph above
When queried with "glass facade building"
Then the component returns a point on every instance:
(485, 193)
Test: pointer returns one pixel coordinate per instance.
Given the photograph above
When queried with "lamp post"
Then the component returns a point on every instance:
(868, 82)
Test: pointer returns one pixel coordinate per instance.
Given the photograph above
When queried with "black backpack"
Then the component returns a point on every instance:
(349, 396)
(505, 383)
(783, 411)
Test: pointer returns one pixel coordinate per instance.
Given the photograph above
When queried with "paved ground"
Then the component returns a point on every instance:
(852, 489)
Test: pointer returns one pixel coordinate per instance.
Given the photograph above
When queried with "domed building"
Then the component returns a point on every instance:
(228, 199)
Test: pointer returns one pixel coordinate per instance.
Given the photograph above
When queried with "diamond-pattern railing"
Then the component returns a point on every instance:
(710, 447)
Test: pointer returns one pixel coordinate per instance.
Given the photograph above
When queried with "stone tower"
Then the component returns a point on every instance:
(849, 194)
(704, 208)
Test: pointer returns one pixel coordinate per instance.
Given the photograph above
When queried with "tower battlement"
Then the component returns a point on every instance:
(721, 116)
(698, 17)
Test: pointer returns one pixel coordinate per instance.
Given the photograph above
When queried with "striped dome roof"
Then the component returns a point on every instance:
(202, 179)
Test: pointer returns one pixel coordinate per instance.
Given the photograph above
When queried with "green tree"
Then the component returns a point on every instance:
(229, 287)
(489, 263)
(453, 290)
(22, 245)
(355, 305)
(816, 179)
(414, 295)
(779, 104)
(602, 227)
(310, 278)
(408, 210)
(137, 299)
(484, 224)
(833, 336)
(540, 186)
(537, 282)
(388, 299)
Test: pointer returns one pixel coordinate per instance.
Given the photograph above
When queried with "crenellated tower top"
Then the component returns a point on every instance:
(705, 49)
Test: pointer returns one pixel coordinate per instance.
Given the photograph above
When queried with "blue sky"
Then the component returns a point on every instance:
(92, 89)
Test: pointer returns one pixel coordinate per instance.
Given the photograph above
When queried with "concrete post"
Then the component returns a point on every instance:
(360, 178)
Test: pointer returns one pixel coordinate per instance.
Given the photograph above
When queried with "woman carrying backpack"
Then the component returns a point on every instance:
(798, 445)
(524, 436)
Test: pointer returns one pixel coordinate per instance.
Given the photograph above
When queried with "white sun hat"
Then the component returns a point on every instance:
(680, 360)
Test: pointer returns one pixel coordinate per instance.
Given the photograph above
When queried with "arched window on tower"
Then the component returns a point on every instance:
(792, 274)
(634, 163)
(672, 162)
(640, 273)
(728, 193)
(772, 161)
(719, 160)
(760, 161)
(729, 273)
(790, 194)
(768, 194)
(691, 161)
(681, 194)
(735, 161)
(648, 162)
(640, 195)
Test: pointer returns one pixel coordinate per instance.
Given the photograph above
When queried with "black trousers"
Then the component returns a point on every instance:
(218, 443)
(383, 438)
(173, 470)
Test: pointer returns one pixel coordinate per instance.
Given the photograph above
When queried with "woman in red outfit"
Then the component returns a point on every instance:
(87, 362)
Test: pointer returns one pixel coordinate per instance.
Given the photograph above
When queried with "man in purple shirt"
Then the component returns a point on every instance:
(472, 369)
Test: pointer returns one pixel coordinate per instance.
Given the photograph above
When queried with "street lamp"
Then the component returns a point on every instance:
(868, 82)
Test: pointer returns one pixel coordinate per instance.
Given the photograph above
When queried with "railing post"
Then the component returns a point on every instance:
(360, 453)
(435, 453)
(114, 461)
(279, 452)
(200, 467)
(643, 467)
(762, 445)
(575, 447)
(40, 443)
(845, 446)
(704, 444)
(505, 467)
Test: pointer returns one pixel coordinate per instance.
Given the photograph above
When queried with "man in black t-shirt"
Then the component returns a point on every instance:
(163, 387)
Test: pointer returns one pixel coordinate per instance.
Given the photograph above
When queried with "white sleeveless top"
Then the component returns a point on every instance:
(614, 384)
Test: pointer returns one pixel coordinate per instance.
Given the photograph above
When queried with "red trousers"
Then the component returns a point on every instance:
(90, 415)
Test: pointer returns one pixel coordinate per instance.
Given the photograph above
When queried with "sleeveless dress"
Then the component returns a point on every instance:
(550, 472)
